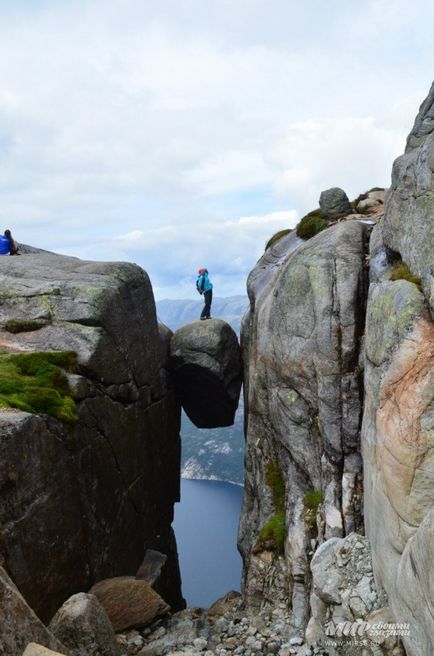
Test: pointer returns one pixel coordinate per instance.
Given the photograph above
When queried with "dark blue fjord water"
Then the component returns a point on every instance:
(206, 524)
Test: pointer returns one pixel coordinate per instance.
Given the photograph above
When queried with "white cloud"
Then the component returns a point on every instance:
(354, 153)
(229, 249)
(166, 122)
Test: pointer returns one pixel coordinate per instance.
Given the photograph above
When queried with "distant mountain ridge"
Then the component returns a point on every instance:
(177, 312)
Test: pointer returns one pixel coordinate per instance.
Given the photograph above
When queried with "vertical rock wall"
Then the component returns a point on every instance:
(83, 502)
(308, 351)
(303, 389)
(398, 424)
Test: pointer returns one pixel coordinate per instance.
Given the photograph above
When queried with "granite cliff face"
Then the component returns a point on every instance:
(83, 501)
(303, 406)
(398, 423)
(338, 349)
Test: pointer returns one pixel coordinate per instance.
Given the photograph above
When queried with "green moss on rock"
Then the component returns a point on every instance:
(311, 224)
(274, 480)
(23, 325)
(272, 534)
(311, 501)
(402, 272)
(275, 238)
(35, 382)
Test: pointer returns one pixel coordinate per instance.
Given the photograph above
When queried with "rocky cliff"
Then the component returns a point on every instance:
(88, 483)
(303, 394)
(338, 349)
(398, 423)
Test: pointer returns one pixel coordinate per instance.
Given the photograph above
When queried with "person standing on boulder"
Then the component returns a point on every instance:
(204, 286)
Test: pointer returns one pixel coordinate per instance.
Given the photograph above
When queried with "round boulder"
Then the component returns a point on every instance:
(83, 626)
(334, 203)
(205, 361)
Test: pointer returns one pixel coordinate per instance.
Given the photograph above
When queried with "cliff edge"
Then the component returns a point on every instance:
(87, 482)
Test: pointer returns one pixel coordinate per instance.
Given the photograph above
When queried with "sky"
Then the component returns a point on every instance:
(181, 134)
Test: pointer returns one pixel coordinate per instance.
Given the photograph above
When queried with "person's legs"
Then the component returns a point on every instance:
(210, 301)
(207, 307)
(203, 313)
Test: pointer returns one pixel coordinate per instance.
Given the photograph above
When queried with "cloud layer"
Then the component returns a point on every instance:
(147, 131)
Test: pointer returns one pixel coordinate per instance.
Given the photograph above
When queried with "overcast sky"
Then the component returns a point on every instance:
(184, 133)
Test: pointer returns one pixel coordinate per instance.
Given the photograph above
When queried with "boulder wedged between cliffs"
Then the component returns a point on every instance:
(205, 363)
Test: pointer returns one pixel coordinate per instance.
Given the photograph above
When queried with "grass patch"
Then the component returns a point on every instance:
(23, 325)
(402, 272)
(275, 238)
(35, 382)
(311, 224)
(274, 480)
(311, 501)
(272, 534)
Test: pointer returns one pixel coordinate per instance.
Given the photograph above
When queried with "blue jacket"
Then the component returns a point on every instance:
(204, 284)
(5, 245)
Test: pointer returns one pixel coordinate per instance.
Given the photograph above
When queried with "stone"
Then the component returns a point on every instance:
(344, 591)
(19, 625)
(221, 606)
(33, 649)
(83, 626)
(88, 489)
(334, 203)
(367, 204)
(416, 565)
(326, 578)
(206, 368)
(408, 225)
(129, 602)
(398, 421)
(150, 569)
(303, 400)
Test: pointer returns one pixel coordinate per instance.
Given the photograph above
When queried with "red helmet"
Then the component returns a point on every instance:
(201, 271)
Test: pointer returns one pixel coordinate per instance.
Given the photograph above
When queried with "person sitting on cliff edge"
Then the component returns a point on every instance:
(204, 286)
(8, 245)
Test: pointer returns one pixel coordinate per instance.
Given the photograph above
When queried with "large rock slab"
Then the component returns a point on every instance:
(303, 391)
(151, 567)
(18, 623)
(206, 365)
(408, 225)
(398, 429)
(83, 626)
(82, 502)
(129, 603)
(33, 649)
(398, 421)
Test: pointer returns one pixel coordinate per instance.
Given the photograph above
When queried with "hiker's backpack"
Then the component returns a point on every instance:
(199, 282)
